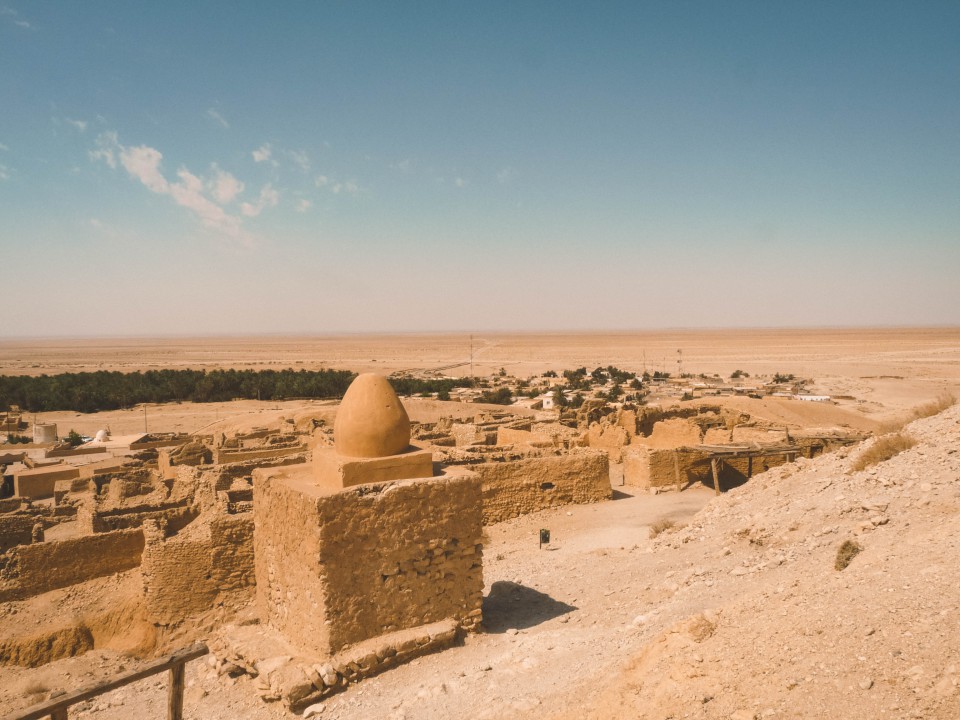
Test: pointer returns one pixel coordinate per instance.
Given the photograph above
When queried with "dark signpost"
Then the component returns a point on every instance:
(544, 537)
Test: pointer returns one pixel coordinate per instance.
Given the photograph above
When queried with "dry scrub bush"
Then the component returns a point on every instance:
(661, 526)
(882, 449)
(35, 689)
(934, 407)
(846, 553)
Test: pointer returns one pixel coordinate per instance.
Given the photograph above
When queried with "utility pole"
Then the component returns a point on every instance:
(680, 363)
(144, 418)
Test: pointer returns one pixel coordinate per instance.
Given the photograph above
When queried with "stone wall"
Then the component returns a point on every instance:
(185, 573)
(336, 569)
(519, 487)
(607, 437)
(176, 573)
(28, 570)
(673, 432)
(648, 467)
(223, 456)
(16, 530)
(40, 482)
(174, 515)
(539, 435)
(231, 540)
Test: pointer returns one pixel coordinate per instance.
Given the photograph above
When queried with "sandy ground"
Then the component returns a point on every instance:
(737, 614)
(239, 415)
(929, 353)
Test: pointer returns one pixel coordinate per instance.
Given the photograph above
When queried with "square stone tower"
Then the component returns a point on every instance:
(369, 540)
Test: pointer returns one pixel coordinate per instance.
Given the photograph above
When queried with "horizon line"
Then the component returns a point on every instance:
(491, 331)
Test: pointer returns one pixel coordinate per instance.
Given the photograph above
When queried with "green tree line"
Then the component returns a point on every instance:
(103, 390)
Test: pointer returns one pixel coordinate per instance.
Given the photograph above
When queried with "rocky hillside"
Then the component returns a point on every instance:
(776, 630)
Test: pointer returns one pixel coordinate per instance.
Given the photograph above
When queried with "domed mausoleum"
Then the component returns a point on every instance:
(368, 553)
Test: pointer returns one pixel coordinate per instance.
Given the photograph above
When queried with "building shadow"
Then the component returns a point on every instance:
(620, 495)
(512, 606)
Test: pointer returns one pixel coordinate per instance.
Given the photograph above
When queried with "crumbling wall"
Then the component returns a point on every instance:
(176, 573)
(649, 467)
(336, 569)
(231, 541)
(473, 434)
(175, 515)
(537, 435)
(673, 432)
(28, 570)
(16, 530)
(612, 438)
(222, 456)
(190, 454)
(185, 573)
(520, 487)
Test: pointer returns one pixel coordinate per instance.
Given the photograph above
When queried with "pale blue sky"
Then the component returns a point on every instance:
(321, 167)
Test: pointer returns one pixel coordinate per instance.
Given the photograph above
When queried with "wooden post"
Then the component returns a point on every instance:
(716, 476)
(749, 466)
(676, 468)
(175, 692)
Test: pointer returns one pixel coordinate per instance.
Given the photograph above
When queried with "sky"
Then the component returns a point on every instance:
(184, 168)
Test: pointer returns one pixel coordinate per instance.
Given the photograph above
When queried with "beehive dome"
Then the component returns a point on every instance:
(371, 422)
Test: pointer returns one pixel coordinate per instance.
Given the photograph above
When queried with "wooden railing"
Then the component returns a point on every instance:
(56, 708)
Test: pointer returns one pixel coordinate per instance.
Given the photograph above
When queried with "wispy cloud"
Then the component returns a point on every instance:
(303, 205)
(264, 153)
(80, 125)
(143, 163)
(4, 173)
(4, 147)
(225, 187)
(107, 143)
(350, 187)
(507, 175)
(218, 118)
(300, 159)
(268, 199)
(14, 16)
(459, 182)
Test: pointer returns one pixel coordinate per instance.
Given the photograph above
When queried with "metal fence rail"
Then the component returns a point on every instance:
(56, 708)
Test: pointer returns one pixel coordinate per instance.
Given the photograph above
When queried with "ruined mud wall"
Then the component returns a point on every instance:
(470, 434)
(672, 433)
(520, 487)
(16, 530)
(231, 541)
(28, 570)
(540, 435)
(333, 570)
(607, 437)
(175, 515)
(176, 573)
(643, 467)
(223, 456)
(185, 573)
(40, 483)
